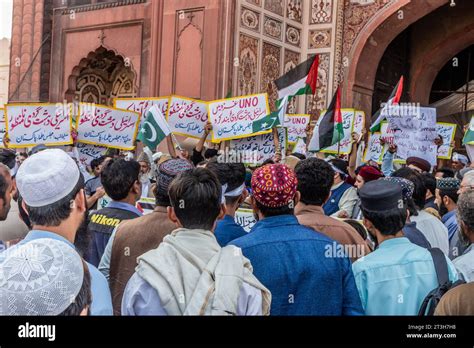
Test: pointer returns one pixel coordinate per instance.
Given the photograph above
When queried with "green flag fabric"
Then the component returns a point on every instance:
(155, 128)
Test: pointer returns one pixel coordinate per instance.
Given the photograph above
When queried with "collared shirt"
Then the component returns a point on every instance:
(294, 262)
(396, 277)
(101, 299)
(465, 264)
(433, 229)
(140, 298)
(348, 200)
(451, 222)
(227, 230)
(313, 216)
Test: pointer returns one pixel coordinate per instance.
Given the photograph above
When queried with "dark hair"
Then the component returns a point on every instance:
(232, 174)
(161, 197)
(268, 212)
(195, 195)
(341, 165)
(451, 193)
(447, 172)
(360, 228)
(466, 209)
(55, 213)
(98, 161)
(315, 179)
(298, 155)
(210, 153)
(23, 154)
(430, 182)
(419, 193)
(118, 177)
(388, 222)
(4, 174)
(83, 298)
(268, 161)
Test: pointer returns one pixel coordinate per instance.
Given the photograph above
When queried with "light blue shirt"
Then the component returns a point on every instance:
(396, 277)
(451, 222)
(101, 299)
(387, 164)
(465, 264)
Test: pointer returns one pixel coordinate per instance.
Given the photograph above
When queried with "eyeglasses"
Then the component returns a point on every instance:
(466, 187)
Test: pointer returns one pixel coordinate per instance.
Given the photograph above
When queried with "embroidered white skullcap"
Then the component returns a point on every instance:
(47, 177)
(41, 277)
(457, 157)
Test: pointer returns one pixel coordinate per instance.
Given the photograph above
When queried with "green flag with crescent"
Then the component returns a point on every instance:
(155, 128)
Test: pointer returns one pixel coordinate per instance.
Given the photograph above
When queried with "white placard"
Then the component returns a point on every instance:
(296, 125)
(142, 105)
(245, 218)
(345, 144)
(38, 123)
(3, 126)
(187, 116)
(88, 152)
(233, 118)
(105, 126)
(447, 132)
(374, 149)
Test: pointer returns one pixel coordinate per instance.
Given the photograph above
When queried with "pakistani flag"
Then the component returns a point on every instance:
(154, 129)
(266, 123)
(392, 100)
(469, 136)
(329, 130)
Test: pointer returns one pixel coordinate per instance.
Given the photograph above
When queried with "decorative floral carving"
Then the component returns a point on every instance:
(248, 62)
(250, 19)
(294, 10)
(315, 104)
(275, 6)
(272, 28)
(291, 60)
(271, 56)
(293, 35)
(321, 11)
(319, 38)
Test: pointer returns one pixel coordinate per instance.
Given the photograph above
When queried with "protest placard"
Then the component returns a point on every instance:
(296, 125)
(388, 135)
(256, 149)
(187, 116)
(3, 126)
(89, 152)
(233, 118)
(142, 105)
(348, 124)
(373, 151)
(245, 218)
(31, 124)
(300, 147)
(415, 133)
(106, 126)
(146, 204)
(359, 122)
(447, 132)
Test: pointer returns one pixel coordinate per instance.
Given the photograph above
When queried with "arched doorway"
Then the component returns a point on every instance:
(100, 77)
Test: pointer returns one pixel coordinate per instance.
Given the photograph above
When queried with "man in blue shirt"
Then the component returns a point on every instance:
(52, 189)
(232, 178)
(120, 179)
(447, 198)
(396, 277)
(293, 261)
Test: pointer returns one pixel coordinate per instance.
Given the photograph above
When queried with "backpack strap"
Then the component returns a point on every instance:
(440, 264)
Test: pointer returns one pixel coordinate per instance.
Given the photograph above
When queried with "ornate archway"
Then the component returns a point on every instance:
(371, 43)
(100, 77)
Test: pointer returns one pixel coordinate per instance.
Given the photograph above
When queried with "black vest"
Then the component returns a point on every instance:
(105, 220)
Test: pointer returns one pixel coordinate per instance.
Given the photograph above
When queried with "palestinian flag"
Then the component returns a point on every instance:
(155, 128)
(300, 80)
(329, 130)
(392, 100)
(469, 136)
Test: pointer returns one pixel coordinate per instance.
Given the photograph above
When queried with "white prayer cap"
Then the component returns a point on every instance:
(40, 277)
(157, 156)
(47, 177)
(457, 157)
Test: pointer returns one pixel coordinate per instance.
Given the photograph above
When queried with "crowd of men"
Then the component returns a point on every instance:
(332, 237)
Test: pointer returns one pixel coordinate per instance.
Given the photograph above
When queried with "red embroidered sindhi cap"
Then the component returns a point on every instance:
(274, 185)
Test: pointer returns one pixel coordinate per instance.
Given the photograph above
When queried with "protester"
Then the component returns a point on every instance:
(44, 277)
(447, 197)
(459, 161)
(20, 158)
(315, 179)
(232, 179)
(444, 172)
(364, 174)
(467, 182)
(431, 227)
(430, 183)
(343, 195)
(7, 190)
(53, 196)
(93, 187)
(396, 277)
(293, 260)
(465, 214)
(197, 156)
(457, 301)
(145, 175)
(120, 180)
(410, 231)
(133, 238)
(418, 164)
(189, 273)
